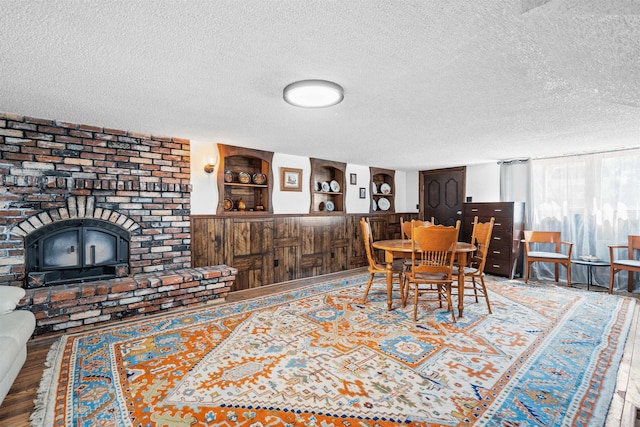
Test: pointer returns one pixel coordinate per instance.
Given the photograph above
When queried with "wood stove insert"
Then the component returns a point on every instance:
(76, 250)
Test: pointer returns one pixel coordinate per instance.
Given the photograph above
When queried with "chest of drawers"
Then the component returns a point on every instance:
(504, 249)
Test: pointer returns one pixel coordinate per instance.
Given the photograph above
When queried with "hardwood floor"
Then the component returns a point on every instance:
(19, 403)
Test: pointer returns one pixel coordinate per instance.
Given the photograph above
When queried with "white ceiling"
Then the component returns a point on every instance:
(428, 83)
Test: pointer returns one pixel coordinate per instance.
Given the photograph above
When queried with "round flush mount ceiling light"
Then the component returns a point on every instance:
(313, 93)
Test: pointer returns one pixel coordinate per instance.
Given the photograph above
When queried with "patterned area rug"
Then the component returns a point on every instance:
(316, 356)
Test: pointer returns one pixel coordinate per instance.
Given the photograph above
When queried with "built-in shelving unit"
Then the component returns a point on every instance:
(382, 190)
(244, 178)
(327, 187)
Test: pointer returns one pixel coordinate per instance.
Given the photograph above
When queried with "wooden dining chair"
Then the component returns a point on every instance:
(629, 264)
(432, 265)
(551, 247)
(374, 267)
(474, 270)
(405, 226)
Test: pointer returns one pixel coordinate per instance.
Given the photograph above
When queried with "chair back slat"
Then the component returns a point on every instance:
(542, 237)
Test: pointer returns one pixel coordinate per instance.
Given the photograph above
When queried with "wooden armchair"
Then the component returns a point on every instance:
(629, 264)
(547, 240)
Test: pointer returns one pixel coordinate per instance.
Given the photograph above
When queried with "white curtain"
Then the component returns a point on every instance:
(593, 200)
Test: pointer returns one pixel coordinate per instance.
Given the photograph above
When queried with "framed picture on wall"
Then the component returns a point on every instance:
(363, 193)
(354, 179)
(290, 179)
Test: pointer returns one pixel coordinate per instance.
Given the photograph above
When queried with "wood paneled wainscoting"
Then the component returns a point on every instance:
(269, 249)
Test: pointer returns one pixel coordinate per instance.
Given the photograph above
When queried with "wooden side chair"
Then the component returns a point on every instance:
(374, 266)
(474, 270)
(432, 265)
(405, 226)
(629, 264)
(551, 241)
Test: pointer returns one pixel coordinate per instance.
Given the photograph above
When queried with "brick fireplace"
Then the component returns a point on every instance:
(55, 172)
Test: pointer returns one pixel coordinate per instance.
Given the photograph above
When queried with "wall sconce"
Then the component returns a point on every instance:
(210, 166)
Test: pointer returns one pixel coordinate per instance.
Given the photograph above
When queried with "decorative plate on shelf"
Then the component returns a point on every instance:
(329, 205)
(335, 186)
(325, 186)
(374, 205)
(384, 204)
(321, 206)
(244, 177)
(385, 189)
(374, 188)
(228, 204)
(228, 176)
(259, 178)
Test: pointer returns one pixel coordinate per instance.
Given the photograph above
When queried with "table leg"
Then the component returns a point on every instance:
(388, 258)
(589, 277)
(462, 261)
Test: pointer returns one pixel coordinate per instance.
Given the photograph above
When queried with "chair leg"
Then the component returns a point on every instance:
(405, 288)
(366, 291)
(569, 274)
(527, 265)
(401, 284)
(556, 271)
(486, 295)
(475, 289)
(630, 282)
(415, 304)
(450, 302)
(612, 274)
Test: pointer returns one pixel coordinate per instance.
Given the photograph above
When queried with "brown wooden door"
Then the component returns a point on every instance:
(442, 194)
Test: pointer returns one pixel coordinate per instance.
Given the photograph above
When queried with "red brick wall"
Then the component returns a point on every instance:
(46, 166)
(52, 170)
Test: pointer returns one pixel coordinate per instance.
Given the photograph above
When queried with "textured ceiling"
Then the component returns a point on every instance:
(428, 84)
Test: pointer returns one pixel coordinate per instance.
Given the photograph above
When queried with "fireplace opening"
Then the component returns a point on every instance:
(76, 250)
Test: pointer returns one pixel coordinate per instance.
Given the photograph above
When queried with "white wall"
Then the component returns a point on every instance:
(354, 204)
(290, 202)
(407, 195)
(204, 186)
(483, 184)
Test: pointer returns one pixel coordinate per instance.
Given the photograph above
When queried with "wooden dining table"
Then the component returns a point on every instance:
(398, 248)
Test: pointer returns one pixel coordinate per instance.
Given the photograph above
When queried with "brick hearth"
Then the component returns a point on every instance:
(69, 306)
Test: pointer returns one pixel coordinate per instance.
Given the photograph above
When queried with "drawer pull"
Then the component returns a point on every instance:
(497, 224)
(497, 210)
(497, 252)
(497, 238)
(496, 265)
(474, 209)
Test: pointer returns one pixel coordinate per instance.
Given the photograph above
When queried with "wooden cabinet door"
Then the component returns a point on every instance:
(286, 249)
(338, 242)
(314, 242)
(250, 243)
(442, 194)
